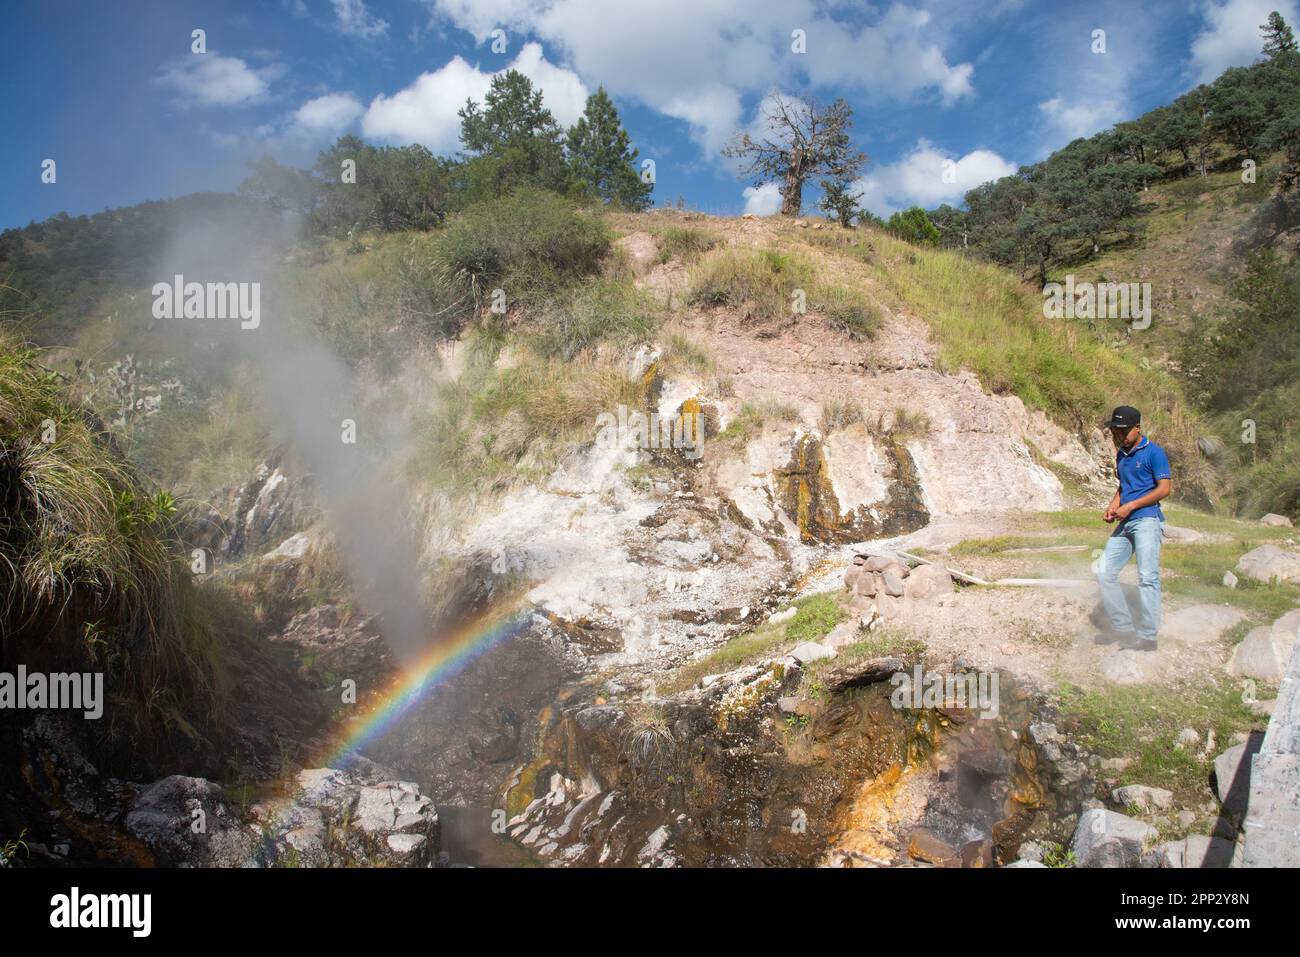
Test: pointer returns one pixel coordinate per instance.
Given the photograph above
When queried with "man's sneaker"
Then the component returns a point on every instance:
(1110, 637)
(1134, 643)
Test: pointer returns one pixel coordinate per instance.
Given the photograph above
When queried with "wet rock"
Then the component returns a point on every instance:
(1106, 839)
(857, 674)
(333, 643)
(925, 845)
(186, 822)
(1032, 851)
(977, 854)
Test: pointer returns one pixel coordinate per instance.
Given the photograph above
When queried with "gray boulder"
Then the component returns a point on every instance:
(186, 822)
(1268, 563)
(1141, 796)
(1106, 839)
(1196, 850)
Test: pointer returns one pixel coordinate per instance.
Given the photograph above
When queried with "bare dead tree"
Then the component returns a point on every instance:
(803, 140)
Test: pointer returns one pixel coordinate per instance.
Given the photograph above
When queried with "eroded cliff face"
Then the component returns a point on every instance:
(723, 775)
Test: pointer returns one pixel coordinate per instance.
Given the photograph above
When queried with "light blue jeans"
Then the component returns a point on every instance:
(1141, 537)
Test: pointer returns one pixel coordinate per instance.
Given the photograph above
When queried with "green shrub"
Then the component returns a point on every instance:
(89, 565)
(761, 281)
(526, 242)
(601, 309)
(838, 414)
(847, 310)
(684, 243)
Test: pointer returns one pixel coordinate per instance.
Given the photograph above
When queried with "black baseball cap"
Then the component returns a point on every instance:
(1124, 417)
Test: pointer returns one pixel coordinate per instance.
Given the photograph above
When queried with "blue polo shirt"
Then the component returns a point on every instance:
(1139, 470)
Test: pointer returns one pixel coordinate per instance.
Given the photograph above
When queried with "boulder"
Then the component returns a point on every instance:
(1182, 536)
(1196, 850)
(1210, 446)
(867, 585)
(925, 845)
(812, 651)
(1141, 796)
(928, 580)
(977, 853)
(878, 563)
(863, 671)
(1264, 652)
(1273, 520)
(186, 822)
(1197, 624)
(893, 584)
(1268, 563)
(1232, 775)
(1104, 838)
(842, 635)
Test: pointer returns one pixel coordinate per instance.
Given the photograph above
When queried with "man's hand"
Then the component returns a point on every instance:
(1109, 516)
(1123, 512)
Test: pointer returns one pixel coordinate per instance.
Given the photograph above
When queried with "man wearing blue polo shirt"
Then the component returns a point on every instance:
(1144, 479)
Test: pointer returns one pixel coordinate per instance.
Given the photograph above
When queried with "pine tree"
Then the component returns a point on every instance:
(601, 160)
(1278, 38)
(840, 200)
(515, 139)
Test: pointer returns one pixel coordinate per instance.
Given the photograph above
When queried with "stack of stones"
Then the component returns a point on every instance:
(885, 585)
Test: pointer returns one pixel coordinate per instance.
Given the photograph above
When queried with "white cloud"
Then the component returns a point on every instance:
(1081, 117)
(562, 92)
(894, 57)
(923, 177)
(327, 115)
(764, 200)
(426, 111)
(354, 20)
(207, 79)
(695, 60)
(1231, 36)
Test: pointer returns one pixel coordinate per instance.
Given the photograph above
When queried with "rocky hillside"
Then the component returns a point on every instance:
(680, 651)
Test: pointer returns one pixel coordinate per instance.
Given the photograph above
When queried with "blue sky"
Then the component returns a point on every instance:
(112, 92)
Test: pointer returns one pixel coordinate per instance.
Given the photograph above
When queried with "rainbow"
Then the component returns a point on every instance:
(448, 656)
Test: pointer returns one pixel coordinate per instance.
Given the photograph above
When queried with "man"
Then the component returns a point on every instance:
(1144, 479)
